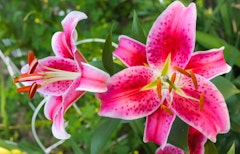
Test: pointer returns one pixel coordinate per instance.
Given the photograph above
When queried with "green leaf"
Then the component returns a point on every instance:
(227, 23)
(210, 148)
(107, 57)
(3, 112)
(75, 147)
(232, 149)
(102, 133)
(179, 134)
(138, 128)
(137, 30)
(226, 87)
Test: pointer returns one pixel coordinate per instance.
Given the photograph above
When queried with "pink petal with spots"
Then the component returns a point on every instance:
(196, 141)
(130, 52)
(209, 63)
(172, 33)
(124, 98)
(52, 106)
(59, 87)
(213, 118)
(75, 95)
(69, 23)
(62, 104)
(58, 127)
(92, 79)
(169, 149)
(158, 126)
(60, 46)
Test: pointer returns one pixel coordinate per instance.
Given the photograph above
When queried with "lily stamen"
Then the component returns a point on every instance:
(194, 79)
(159, 88)
(167, 109)
(33, 90)
(201, 102)
(31, 57)
(30, 89)
(182, 71)
(32, 66)
(173, 78)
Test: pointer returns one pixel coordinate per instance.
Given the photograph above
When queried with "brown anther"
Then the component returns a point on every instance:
(32, 66)
(182, 71)
(31, 57)
(167, 109)
(194, 79)
(32, 90)
(159, 88)
(201, 102)
(173, 78)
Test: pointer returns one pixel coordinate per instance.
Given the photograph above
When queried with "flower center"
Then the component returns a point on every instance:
(170, 82)
(43, 77)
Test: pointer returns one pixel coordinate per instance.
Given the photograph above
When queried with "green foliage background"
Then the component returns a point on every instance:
(29, 25)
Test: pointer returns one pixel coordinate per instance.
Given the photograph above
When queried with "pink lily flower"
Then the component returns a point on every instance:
(65, 77)
(166, 79)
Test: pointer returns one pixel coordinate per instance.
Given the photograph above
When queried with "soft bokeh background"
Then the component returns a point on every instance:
(29, 25)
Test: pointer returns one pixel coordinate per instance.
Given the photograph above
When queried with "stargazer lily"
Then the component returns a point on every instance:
(166, 79)
(65, 77)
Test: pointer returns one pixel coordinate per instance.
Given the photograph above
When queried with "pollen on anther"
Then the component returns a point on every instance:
(32, 90)
(201, 102)
(33, 66)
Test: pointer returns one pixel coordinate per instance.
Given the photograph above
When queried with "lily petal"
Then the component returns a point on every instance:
(130, 51)
(75, 94)
(69, 23)
(58, 127)
(172, 33)
(52, 106)
(169, 149)
(196, 141)
(125, 99)
(92, 79)
(213, 118)
(68, 98)
(59, 87)
(209, 63)
(158, 126)
(60, 46)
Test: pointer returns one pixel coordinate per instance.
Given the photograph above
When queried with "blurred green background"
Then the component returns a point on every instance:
(29, 25)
